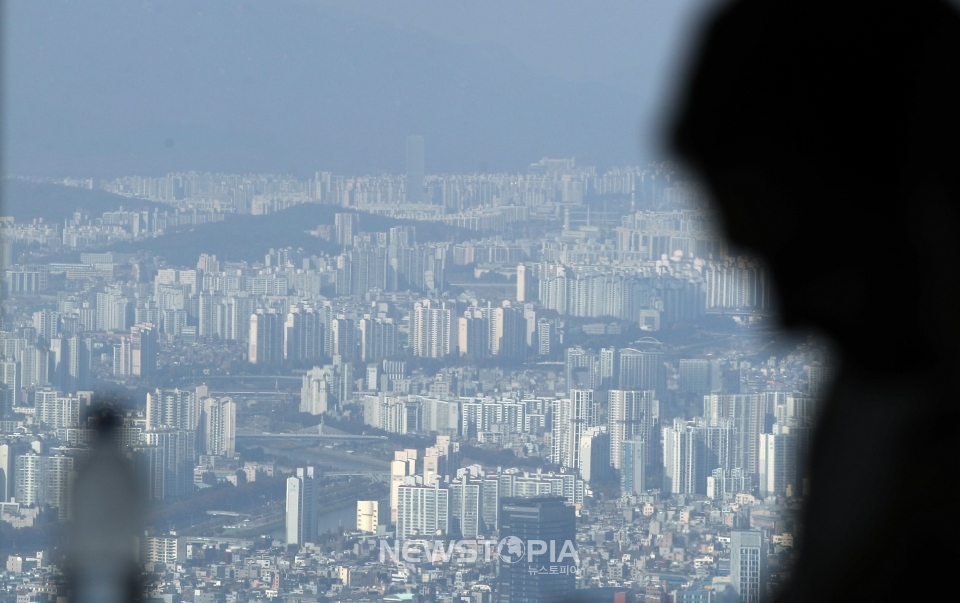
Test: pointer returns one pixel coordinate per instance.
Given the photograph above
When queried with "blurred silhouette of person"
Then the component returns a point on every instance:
(827, 133)
(108, 508)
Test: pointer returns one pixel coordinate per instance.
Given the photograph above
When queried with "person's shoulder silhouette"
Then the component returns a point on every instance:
(827, 133)
(822, 128)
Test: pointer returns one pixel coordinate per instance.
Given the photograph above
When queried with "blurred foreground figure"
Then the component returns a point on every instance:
(108, 517)
(828, 133)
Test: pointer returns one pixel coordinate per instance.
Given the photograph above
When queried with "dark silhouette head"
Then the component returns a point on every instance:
(108, 509)
(105, 419)
(827, 133)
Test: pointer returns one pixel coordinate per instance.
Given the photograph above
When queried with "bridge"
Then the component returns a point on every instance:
(379, 476)
(307, 436)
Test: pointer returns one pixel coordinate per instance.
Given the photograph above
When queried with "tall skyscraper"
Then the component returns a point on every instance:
(595, 454)
(10, 379)
(748, 565)
(415, 169)
(719, 442)
(747, 413)
(698, 376)
(346, 226)
(265, 344)
(633, 466)
(432, 331)
(71, 360)
(343, 337)
(29, 482)
(378, 338)
(303, 335)
(521, 283)
(220, 427)
(47, 324)
(399, 469)
(537, 559)
(465, 501)
(317, 392)
(207, 306)
(682, 458)
(545, 337)
(302, 506)
(7, 471)
(631, 414)
(473, 334)
(490, 503)
(173, 470)
(43, 480)
(582, 369)
(778, 462)
(58, 477)
(573, 416)
(144, 347)
(642, 370)
(508, 332)
(173, 409)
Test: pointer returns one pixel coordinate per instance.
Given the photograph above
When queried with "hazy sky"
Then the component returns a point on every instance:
(107, 87)
(627, 44)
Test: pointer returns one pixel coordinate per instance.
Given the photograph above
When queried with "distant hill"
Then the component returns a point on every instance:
(248, 238)
(25, 200)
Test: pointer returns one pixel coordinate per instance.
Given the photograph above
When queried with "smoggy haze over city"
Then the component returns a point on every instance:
(351, 279)
(103, 89)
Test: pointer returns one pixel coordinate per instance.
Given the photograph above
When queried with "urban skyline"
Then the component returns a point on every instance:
(593, 327)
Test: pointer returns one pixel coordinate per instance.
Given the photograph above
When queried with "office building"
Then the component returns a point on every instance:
(748, 564)
(633, 466)
(595, 454)
(303, 502)
(528, 572)
(144, 347)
